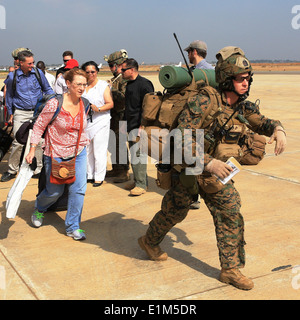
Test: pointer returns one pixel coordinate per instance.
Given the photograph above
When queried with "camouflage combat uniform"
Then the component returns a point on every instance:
(224, 205)
(118, 88)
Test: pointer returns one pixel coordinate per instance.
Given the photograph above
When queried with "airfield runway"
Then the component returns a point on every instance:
(44, 264)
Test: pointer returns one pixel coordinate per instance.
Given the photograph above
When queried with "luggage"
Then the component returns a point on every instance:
(2, 115)
(62, 203)
(6, 140)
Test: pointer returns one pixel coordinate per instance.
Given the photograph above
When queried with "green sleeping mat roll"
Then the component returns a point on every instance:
(171, 77)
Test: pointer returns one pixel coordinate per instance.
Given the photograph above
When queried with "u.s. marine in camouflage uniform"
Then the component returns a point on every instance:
(118, 86)
(234, 76)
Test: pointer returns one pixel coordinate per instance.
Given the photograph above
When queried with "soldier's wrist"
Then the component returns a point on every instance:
(280, 129)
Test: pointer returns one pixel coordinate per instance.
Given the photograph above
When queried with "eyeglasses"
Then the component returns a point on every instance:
(241, 79)
(111, 65)
(123, 70)
(84, 85)
(90, 72)
(66, 60)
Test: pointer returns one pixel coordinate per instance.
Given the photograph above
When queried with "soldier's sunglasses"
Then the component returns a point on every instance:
(240, 79)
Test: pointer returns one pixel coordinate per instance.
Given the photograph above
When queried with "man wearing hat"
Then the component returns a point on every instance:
(60, 86)
(197, 52)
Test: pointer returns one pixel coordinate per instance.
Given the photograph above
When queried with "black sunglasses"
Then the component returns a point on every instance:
(123, 70)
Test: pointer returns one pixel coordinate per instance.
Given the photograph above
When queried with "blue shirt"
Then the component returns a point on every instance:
(203, 64)
(28, 90)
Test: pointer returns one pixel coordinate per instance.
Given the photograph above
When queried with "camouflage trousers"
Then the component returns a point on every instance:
(224, 207)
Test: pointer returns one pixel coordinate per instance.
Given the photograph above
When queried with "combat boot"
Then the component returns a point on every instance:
(236, 278)
(130, 185)
(154, 253)
(123, 176)
(112, 173)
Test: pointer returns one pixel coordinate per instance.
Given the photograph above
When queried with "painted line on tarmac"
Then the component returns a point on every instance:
(20, 276)
(273, 177)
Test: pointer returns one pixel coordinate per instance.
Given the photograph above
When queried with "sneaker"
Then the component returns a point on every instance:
(7, 176)
(154, 253)
(37, 218)
(236, 278)
(137, 191)
(77, 234)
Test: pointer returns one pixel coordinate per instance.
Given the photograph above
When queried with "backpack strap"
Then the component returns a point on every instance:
(38, 76)
(215, 107)
(85, 102)
(14, 84)
(60, 99)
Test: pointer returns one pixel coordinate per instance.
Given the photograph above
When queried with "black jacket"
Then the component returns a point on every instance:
(134, 95)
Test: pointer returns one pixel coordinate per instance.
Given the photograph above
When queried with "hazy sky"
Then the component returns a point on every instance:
(93, 28)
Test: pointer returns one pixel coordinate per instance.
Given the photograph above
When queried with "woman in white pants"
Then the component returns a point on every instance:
(99, 94)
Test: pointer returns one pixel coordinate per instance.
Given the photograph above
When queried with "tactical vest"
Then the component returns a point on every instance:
(227, 135)
(118, 87)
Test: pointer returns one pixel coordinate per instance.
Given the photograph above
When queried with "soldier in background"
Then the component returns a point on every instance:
(119, 171)
(16, 58)
(234, 76)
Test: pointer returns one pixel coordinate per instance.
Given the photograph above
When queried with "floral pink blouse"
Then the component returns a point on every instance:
(61, 134)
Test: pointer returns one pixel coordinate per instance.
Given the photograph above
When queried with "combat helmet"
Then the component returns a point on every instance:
(231, 62)
(117, 57)
(16, 51)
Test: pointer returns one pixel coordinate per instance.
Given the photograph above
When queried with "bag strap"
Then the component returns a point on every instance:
(215, 100)
(81, 125)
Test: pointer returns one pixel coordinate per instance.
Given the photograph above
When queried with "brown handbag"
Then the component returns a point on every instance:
(64, 172)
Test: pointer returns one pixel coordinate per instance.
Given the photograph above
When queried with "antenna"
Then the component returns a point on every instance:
(189, 69)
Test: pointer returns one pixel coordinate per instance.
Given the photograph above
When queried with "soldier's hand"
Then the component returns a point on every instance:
(280, 137)
(218, 168)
